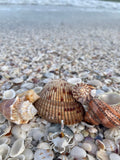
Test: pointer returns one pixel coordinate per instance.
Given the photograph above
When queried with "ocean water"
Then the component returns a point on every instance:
(83, 4)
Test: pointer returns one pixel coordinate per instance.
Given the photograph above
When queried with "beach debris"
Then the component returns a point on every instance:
(17, 110)
(56, 103)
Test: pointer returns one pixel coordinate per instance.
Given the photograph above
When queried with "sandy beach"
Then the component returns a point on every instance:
(40, 43)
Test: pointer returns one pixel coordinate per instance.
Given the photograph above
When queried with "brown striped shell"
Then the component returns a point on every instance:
(100, 112)
(82, 92)
(56, 103)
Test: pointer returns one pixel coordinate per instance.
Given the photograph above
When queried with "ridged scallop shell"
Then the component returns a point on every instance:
(56, 103)
(109, 145)
(17, 110)
(104, 110)
(82, 92)
(112, 133)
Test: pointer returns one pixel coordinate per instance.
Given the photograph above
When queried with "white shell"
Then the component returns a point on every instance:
(4, 151)
(36, 133)
(5, 128)
(114, 156)
(17, 80)
(43, 145)
(109, 145)
(26, 127)
(9, 94)
(92, 130)
(0, 157)
(17, 148)
(20, 157)
(112, 133)
(90, 147)
(37, 89)
(45, 154)
(102, 155)
(78, 137)
(62, 157)
(4, 140)
(18, 132)
(28, 154)
(74, 80)
(78, 152)
(90, 157)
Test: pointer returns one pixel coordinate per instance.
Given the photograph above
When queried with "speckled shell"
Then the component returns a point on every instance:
(100, 112)
(56, 103)
(82, 92)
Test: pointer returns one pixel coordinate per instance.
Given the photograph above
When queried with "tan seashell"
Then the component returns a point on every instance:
(56, 103)
(102, 155)
(82, 92)
(29, 95)
(17, 110)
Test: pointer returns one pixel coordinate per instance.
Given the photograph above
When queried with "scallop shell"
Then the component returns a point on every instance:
(82, 92)
(109, 145)
(78, 153)
(4, 151)
(17, 147)
(9, 94)
(56, 103)
(17, 110)
(45, 154)
(102, 155)
(112, 133)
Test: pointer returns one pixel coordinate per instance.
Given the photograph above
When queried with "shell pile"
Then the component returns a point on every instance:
(56, 103)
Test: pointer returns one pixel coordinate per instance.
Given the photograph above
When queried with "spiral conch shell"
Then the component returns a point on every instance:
(18, 110)
(82, 92)
(56, 103)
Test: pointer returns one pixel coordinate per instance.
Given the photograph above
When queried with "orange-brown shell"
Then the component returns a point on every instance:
(56, 103)
(100, 112)
(82, 92)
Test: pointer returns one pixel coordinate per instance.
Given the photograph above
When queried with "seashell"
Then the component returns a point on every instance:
(100, 144)
(90, 157)
(4, 151)
(27, 85)
(5, 128)
(9, 94)
(17, 110)
(2, 118)
(78, 153)
(17, 132)
(109, 145)
(28, 154)
(29, 95)
(82, 92)
(43, 145)
(0, 157)
(4, 140)
(45, 154)
(112, 133)
(62, 157)
(104, 110)
(17, 147)
(20, 157)
(56, 103)
(17, 80)
(74, 80)
(37, 89)
(102, 155)
(36, 133)
(90, 147)
(114, 156)
(78, 137)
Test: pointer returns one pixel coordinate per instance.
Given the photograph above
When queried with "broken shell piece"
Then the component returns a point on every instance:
(29, 95)
(62, 157)
(5, 128)
(46, 154)
(17, 147)
(4, 140)
(102, 155)
(28, 154)
(17, 110)
(20, 157)
(109, 145)
(2, 118)
(4, 151)
(9, 94)
(17, 132)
